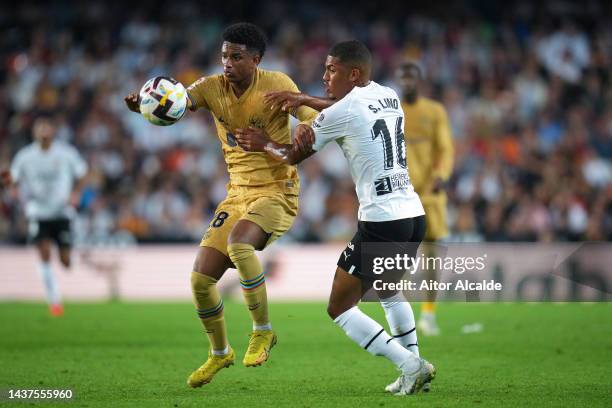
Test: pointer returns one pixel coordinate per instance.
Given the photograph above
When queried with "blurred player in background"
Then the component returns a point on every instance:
(366, 122)
(429, 150)
(45, 172)
(262, 195)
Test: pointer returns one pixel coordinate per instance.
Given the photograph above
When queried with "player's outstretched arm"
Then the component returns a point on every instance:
(289, 101)
(132, 101)
(257, 140)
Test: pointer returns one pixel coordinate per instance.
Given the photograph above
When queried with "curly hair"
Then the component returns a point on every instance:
(246, 34)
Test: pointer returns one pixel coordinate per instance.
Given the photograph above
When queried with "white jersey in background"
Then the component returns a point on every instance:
(46, 178)
(368, 125)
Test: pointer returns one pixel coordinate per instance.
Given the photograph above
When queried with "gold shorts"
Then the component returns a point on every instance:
(435, 214)
(273, 211)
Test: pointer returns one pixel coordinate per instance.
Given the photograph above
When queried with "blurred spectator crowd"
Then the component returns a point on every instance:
(527, 88)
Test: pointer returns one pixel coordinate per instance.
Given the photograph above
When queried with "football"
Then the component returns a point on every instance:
(163, 100)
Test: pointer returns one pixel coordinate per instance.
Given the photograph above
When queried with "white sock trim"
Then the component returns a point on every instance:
(267, 326)
(223, 352)
(393, 300)
(342, 319)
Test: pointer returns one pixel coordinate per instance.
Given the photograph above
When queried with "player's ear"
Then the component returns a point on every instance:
(256, 59)
(355, 74)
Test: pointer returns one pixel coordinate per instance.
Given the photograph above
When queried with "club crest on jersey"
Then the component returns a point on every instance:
(256, 122)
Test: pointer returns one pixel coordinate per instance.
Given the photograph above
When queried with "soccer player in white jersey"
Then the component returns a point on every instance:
(46, 171)
(366, 120)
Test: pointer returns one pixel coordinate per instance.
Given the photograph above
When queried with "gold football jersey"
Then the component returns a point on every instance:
(429, 146)
(251, 169)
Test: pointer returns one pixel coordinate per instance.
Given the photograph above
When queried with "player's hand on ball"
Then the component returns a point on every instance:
(252, 139)
(304, 138)
(285, 99)
(132, 102)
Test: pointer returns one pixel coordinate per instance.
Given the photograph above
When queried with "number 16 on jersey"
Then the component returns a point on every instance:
(381, 130)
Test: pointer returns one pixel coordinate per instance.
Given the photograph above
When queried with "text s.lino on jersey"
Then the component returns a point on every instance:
(368, 125)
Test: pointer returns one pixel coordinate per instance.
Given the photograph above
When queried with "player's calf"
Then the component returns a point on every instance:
(65, 257)
(209, 307)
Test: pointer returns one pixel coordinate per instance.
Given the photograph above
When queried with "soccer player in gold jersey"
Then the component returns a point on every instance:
(262, 195)
(429, 151)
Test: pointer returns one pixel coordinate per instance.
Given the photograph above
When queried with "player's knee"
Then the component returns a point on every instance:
(45, 252)
(66, 262)
(201, 284)
(65, 259)
(334, 310)
(239, 252)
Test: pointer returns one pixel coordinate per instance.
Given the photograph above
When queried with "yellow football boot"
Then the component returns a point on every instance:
(207, 371)
(260, 344)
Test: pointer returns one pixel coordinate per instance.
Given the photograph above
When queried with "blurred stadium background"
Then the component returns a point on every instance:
(527, 86)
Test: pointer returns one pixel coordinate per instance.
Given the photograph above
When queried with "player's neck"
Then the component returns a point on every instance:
(363, 83)
(411, 99)
(241, 87)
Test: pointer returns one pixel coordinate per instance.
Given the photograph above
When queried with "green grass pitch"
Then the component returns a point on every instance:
(140, 354)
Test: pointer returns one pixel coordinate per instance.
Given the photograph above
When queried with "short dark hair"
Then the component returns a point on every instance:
(47, 116)
(246, 34)
(353, 52)
(412, 64)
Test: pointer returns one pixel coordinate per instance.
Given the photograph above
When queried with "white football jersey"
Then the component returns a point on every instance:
(46, 178)
(368, 124)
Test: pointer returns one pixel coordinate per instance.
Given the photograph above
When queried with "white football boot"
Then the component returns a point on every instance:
(411, 383)
(395, 386)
